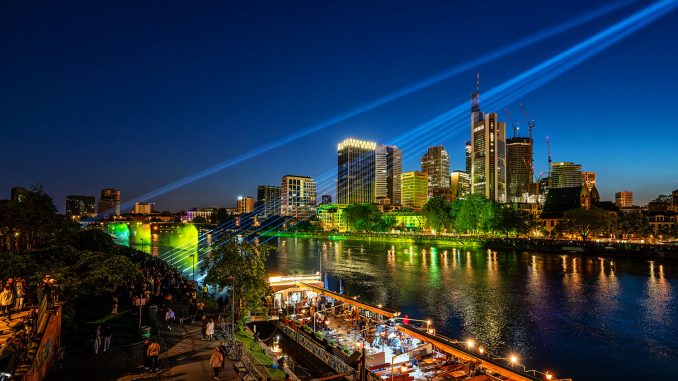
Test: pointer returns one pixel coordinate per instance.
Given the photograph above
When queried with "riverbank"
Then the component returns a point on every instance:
(607, 249)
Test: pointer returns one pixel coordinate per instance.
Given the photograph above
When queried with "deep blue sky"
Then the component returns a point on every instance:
(135, 95)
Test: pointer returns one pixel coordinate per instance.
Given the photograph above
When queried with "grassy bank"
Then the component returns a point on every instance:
(251, 346)
(405, 238)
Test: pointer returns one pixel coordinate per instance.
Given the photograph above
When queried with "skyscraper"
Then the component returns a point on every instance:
(245, 204)
(297, 196)
(488, 152)
(436, 164)
(460, 184)
(268, 200)
(109, 202)
(518, 171)
(80, 205)
(588, 179)
(468, 157)
(356, 171)
(623, 199)
(389, 167)
(414, 189)
(565, 174)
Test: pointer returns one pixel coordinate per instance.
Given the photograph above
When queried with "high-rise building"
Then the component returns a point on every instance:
(326, 199)
(268, 201)
(488, 152)
(468, 157)
(245, 204)
(356, 171)
(414, 189)
(518, 171)
(565, 174)
(588, 179)
(436, 164)
(389, 167)
(143, 208)
(80, 205)
(298, 196)
(623, 199)
(460, 184)
(109, 202)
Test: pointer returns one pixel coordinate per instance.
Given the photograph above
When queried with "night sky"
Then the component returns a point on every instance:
(136, 95)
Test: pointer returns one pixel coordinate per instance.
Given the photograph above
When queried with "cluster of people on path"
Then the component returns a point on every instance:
(102, 338)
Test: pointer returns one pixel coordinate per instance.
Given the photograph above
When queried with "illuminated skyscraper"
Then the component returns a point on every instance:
(245, 205)
(518, 172)
(488, 152)
(389, 167)
(80, 205)
(297, 196)
(468, 157)
(268, 200)
(436, 164)
(109, 203)
(356, 171)
(414, 189)
(588, 179)
(460, 184)
(623, 199)
(565, 175)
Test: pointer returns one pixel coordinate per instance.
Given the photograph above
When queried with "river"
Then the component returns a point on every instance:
(589, 318)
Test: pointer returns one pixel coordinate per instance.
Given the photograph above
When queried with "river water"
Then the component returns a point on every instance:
(589, 318)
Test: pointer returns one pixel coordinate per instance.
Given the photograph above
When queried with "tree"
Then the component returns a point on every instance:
(199, 220)
(240, 266)
(509, 220)
(634, 224)
(585, 222)
(437, 214)
(362, 216)
(475, 213)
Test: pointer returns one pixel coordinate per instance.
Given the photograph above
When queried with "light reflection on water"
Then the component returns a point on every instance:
(583, 317)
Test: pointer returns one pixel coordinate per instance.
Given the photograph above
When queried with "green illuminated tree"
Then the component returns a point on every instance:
(437, 214)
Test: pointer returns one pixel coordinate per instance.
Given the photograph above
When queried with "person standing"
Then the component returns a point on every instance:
(20, 294)
(6, 300)
(147, 362)
(153, 353)
(216, 361)
(210, 329)
(169, 318)
(108, 334)
(114, 305)
(203, 322)
(97, 339)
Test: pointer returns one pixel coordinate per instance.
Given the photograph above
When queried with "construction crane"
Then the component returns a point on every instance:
(530, 122)
(548, 150)
(514, 124)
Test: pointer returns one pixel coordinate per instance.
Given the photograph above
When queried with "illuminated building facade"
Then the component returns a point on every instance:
(623, 199)
(356, 171)
(143, 208)
(565, 174)
(468, 157)
(245, 205)
(460, 184)
(414, 190)
(80, 205)
(297, 196)
(518, 172)
(588, 179)
(109, 202)
(206, 213)
(268, 201)
(389, 168)
(488, 154)
(332, 217)
(436, 164)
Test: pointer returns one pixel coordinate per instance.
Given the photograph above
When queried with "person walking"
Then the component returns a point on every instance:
(203, 322)
(6, 301)
(147, 361)
(210, 329)
(153, 353)
(97, 339)
(20, 295)
(169, 318)
(216, 361)
(108, 334)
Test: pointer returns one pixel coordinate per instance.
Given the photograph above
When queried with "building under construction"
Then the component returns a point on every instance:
(518, 167)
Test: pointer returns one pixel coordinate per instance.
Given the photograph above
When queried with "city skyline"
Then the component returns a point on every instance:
(138, 144)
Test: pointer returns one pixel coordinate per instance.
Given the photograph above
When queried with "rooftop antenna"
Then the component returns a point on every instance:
(514, 124)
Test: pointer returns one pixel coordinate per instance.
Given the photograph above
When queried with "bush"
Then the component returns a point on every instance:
(347, 350)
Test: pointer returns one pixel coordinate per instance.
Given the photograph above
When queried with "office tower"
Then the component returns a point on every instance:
(389, 167)
(518, 171)
(623, 199)
(414, 190)
(356, 171)
(109, 202)
(460, 184)
(468, 157)
(298, 196)
(80, 205)
(268, 201)
(18, 194)
(565, 174)
(488, 152)
(143, 208)
(436, 164)
(326, 199)
(588, 179)
(245, 204)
